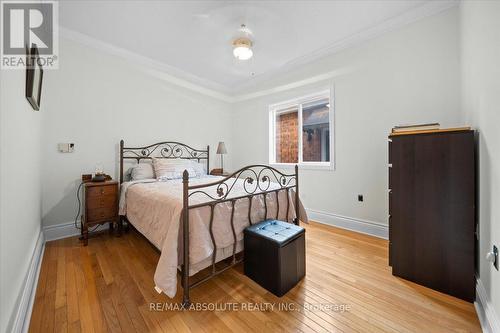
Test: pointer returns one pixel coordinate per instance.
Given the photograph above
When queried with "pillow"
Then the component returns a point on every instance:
(199, 168)
(127, 175)
(165, 168)
(143, 171)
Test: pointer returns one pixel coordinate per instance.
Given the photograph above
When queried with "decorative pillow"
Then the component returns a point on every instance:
(127, 175)
(143, 171)
(166, 168)
(199, 168)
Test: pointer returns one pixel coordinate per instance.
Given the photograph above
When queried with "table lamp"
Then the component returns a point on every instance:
(221, 149)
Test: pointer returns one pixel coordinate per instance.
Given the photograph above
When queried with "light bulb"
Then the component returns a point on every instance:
(242, 52)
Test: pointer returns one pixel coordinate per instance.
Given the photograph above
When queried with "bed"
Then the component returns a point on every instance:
(197, 223)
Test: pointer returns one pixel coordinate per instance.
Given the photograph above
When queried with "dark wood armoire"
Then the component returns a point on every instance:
(432, 209)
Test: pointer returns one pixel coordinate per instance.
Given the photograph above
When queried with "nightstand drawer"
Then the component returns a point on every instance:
(94, 191)
(101, 205)
(101, 214)
(104, 201)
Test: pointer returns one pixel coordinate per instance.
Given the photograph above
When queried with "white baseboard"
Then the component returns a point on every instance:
(376, 229)
(65, 230)
(488, 318)
(22, 315)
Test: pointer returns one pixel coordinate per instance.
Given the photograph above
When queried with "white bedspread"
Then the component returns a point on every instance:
(154, 208)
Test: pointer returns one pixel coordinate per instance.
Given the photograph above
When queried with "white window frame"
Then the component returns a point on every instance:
(298, 102)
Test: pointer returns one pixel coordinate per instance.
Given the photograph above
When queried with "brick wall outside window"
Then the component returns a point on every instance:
(286, 138)
(287, 142)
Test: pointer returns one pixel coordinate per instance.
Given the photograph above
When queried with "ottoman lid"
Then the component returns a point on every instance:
(277, 231)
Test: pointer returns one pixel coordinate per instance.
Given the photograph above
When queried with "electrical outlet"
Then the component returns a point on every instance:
(493, 257)
(360, 197)
(495, 252)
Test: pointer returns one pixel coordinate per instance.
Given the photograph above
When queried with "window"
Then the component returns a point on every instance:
(300, 131)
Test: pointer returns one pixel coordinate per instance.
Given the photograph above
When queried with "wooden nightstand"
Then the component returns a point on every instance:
(219, 172)
(100, 205)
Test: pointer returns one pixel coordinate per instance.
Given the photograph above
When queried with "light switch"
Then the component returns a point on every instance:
(66, 147)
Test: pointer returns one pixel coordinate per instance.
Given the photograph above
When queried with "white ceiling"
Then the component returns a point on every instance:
(193, 38)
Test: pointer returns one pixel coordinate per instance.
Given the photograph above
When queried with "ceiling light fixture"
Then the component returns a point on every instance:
(242, 48)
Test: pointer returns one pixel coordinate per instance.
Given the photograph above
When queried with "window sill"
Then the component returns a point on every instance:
(305, 166)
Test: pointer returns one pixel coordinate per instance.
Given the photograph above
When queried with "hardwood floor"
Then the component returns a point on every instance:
(108, 286)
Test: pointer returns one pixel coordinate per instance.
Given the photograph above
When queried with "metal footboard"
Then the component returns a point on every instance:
(257, 181)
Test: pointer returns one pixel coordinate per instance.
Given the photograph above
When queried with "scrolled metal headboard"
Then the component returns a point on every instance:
(166, 149)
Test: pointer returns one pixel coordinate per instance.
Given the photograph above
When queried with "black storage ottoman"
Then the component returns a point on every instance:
(275, 255)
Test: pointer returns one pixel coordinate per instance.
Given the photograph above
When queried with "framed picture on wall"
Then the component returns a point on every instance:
(34, 77)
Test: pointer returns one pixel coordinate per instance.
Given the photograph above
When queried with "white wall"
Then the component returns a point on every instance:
(480, 27)
(20, 189)
(407, 76)
(94, 100)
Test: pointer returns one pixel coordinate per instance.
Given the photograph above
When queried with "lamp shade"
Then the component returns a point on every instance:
(221, 148)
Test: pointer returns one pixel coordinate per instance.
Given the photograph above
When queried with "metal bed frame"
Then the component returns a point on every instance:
(256, 182)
